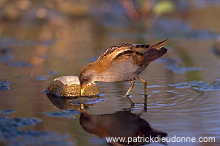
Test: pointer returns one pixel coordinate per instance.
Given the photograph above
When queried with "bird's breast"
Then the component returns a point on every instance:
(117, 71)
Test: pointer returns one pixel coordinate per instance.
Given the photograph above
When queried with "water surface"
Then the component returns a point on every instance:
(183, 86)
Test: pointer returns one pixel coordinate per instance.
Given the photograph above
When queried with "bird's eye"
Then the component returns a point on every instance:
(85, 79)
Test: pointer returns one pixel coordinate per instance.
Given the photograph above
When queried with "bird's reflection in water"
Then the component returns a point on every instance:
(67, 103)
(120, 124)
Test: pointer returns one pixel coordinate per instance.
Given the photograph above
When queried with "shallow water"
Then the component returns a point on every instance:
(183, 86)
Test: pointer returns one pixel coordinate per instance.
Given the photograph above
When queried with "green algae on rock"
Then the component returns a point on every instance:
(70, 86)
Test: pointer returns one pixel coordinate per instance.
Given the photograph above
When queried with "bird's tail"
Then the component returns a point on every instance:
(159, 45)
(156, 51)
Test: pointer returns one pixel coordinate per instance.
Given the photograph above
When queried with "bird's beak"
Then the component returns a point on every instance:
(84, 85)
(82, 89)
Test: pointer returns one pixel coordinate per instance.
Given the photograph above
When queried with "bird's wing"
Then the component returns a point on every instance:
(123, 51)
(133, 52)
(131, 55)
(114, 50)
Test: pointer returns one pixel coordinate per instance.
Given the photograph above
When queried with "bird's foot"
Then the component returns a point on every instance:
(133, 103)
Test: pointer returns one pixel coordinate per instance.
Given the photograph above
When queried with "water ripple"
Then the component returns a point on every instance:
(5, 85)
(193, 96)
(66, 113)
(6, 112)
(199, 85)
(12, 134)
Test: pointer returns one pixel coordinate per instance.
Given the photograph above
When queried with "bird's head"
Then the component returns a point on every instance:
(86, 76)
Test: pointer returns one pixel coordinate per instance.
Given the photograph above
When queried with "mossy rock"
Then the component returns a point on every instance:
(70, 86)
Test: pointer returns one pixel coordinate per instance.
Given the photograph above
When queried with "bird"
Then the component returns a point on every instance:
(122, 62)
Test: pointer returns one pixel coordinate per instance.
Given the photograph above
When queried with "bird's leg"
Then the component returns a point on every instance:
(145, 84)
(145, 106)
(131, 86)
(130, 101)
(128, 92)
(145, 103)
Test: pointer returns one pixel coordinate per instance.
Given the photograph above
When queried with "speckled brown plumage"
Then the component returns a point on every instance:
(121, 62)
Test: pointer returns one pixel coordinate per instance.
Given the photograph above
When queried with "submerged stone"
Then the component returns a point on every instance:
(70, 86)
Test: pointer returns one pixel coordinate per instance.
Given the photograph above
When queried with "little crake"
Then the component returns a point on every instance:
(122, 62)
